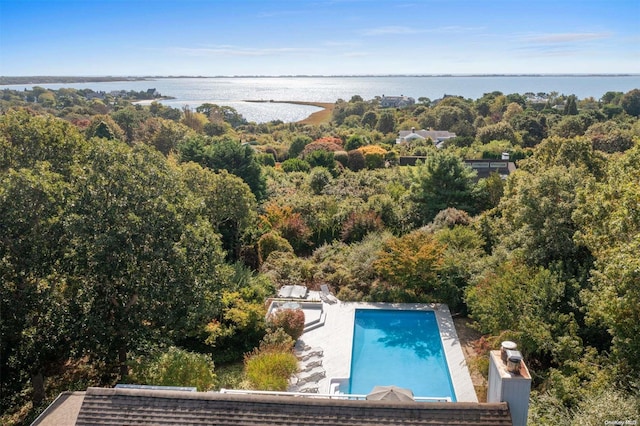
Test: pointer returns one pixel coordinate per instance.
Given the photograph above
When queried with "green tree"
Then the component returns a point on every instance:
(321, 158)
(164, 135)
(575, 152)
(609, 137)
(570, 126)
(103, 126)
(609, 225)
(442, 181)
(129, 120)
(34, 304)
(237, 159)
(386, 122)
(536, 214)
(369, 119)
(28, 138)
(570, 106)
(271, 242)
(497, 132)
(150, 267)
(631, 102)
(227, 202)
(298, 144)
(527, 305)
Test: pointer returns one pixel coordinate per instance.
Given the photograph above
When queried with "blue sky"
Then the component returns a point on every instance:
(318, 37)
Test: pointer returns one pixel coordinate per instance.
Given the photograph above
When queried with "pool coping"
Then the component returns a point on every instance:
(336, 339)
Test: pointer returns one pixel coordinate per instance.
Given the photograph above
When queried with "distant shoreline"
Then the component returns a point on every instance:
(6, 81)
(14, 80)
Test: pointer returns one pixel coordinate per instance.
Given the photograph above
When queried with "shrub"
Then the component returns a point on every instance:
(328, 144)
(270, 369)
(341, 157)
(321, 158)
(318, 179)
(277, 339)
(298, 144)
(355, 160)
(355, 142)
(290, 320)
(266, 159)
(358, 225)
(175, 367)
(295, 165)
(373, 156)
(271, 242)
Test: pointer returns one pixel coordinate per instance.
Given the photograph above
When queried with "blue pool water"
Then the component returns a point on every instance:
(401, 348)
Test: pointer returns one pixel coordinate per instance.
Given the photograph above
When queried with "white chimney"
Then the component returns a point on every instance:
(505, 155)
(510, 382)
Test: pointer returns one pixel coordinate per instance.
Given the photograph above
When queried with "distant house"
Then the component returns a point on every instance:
(483, 167)
(396, 101)
(437, 136)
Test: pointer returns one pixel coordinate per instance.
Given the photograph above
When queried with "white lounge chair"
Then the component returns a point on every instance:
(326, 295)
(310, 363)
(313, 375)
(308, 352)
(306, 388)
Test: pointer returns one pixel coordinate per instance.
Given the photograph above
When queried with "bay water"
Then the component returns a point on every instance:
(237, 91)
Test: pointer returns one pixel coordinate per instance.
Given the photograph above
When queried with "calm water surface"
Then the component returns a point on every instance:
(401, 348)
(235, 91)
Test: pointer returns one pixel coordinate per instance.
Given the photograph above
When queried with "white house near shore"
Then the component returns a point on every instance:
(396, 101)
(436, 136)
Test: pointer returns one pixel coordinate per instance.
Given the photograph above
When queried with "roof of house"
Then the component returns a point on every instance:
(145, 407)
(433, 134)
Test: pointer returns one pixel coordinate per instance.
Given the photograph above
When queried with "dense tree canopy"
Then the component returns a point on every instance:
(150, 236)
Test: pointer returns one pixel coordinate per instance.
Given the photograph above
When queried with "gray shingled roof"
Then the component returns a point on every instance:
(146, 407)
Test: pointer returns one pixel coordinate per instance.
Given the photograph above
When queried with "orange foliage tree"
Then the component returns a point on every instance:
(373, 156)
(289, 224)
(411, 264)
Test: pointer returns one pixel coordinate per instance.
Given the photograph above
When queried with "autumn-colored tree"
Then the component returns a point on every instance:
(289, 224)
(411, 264)
(330, 144)
(360, 224)
(374, 156)
(290, 320)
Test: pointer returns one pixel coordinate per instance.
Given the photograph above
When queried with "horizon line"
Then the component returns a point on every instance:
(620, 74)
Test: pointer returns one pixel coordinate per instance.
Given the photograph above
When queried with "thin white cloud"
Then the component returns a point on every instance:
(402, 30)
(240, 51)
(333, 44)
(565, 37)
(355, 54)
(389, 30)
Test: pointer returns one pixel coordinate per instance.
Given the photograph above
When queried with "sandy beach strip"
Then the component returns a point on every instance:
(318, 117)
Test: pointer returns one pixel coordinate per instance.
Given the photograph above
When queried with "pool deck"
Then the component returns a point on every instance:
(336, 337)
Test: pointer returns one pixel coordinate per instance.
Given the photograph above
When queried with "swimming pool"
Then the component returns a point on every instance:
(402, 348)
